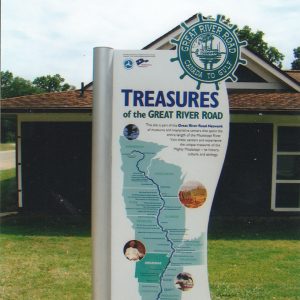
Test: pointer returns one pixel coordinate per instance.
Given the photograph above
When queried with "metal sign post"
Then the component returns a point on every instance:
(101, 172)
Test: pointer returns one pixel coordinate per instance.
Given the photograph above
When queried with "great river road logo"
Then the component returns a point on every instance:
(209, 51)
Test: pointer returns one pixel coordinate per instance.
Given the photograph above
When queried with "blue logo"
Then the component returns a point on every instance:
(128, 63)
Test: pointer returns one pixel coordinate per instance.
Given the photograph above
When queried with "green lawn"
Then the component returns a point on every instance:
(254, 269)
(255, 259)
(50, 258)
(7, 146)
(45, 259)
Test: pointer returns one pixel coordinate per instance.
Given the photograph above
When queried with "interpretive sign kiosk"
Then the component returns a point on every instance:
(160, 132)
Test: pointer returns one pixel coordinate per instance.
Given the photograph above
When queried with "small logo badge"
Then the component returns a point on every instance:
(209, 51)
(142, 61)
(128, 63)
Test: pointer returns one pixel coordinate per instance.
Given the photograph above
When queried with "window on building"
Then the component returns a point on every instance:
(286, 174)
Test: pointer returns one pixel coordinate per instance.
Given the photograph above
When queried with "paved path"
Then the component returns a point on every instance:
(7, 159)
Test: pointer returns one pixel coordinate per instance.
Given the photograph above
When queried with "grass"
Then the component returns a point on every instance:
(254, 269)
(45, 259)
(258, 259)
(8, 190)
(50, 258)
(8, 146)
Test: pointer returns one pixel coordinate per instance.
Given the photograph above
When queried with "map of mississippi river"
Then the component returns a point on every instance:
(150, 192)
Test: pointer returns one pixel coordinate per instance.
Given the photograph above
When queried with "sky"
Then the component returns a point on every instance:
(41, 37)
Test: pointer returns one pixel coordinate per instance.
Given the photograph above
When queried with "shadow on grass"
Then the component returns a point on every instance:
(257, 228)
(25, 224)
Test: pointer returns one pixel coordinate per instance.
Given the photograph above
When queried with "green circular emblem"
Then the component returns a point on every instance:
(208, 51)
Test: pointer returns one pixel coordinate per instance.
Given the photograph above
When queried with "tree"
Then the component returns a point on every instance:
(257, 44)
(16, 86)
(296, 62)
(53, 83)
(8, 129)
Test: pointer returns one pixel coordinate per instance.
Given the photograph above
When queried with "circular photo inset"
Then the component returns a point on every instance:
(134, 250)
(131, 132)
(184, 281)
(192, 194)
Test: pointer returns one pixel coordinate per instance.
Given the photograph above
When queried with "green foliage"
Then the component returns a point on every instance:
(297, 52)
(257, 44)
(6, 78)
(53, 83)
(8, 129)
(17, 86)
(296, 62)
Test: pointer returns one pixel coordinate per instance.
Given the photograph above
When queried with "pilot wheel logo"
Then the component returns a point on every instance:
(209, 51)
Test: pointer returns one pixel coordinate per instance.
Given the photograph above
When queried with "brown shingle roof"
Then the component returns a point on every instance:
(72, 101)
(265, 101)
(294, 74)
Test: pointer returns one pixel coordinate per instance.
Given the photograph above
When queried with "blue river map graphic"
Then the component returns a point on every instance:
(150, 193)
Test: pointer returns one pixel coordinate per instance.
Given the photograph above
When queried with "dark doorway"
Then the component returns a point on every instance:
(245, 184)
(56, 166)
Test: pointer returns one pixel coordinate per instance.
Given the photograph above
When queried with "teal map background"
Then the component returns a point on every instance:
(150, 192)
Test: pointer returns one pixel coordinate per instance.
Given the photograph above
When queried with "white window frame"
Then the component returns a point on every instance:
(274, 170)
